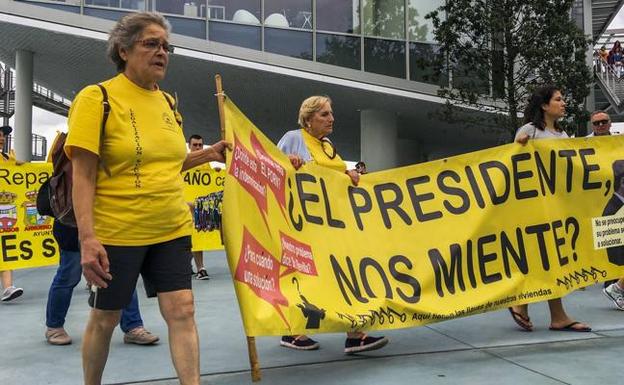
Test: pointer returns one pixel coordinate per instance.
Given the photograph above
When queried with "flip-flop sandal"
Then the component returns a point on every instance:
(522, 321)
(571, 328)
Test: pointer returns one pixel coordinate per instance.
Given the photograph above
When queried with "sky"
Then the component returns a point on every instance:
(48, 124)
(618, 20)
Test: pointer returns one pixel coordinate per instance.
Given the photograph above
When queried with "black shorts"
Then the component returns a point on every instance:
(164, 267)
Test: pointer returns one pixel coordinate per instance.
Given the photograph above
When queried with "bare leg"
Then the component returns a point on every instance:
(198, 256)
(558, 316)
(96, 343)
(7, 278)
(178, 310)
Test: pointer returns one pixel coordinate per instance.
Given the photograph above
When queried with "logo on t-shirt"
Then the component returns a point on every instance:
(169, 123)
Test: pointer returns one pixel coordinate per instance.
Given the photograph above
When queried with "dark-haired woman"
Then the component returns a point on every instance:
(545, 107)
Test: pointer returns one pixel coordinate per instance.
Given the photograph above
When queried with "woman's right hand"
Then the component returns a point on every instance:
(354, 175)
(94, 262)
(522, 139)
(296, 161)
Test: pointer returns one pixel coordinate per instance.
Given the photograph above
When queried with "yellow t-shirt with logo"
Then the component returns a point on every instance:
(320, 156)
(141, 202)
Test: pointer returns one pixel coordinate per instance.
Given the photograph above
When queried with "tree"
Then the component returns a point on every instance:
(499, 50)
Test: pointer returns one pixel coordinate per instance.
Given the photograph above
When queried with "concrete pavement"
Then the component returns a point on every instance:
(483, 349)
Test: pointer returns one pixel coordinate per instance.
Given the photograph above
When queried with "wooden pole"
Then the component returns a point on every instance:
(253, 359)
(220, 100)
(251, 341)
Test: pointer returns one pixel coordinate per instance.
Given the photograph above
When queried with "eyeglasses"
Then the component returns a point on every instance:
(155, 44)
(328, 148)
(600, 122)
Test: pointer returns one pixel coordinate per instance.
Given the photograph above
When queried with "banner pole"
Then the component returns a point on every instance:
(251, 341)
(253, 359)
(220, 99)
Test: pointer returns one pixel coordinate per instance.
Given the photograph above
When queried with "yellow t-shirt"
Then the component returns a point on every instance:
(320, 156)
(141, 202)
(11, 156)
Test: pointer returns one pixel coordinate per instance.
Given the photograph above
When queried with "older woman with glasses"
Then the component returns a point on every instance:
(128, 194)
(310, 144)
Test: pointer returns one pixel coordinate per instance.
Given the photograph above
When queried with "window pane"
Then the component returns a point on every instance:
(386, 57)
(110, 14)
(67, 6)
(338, 16)
(240, 11)
(189, 27)
(290, 43)
(125, 4)
(288, 13)
(384, 18)
(343, 51)
(419, 28)
(195, 8)
(235, 34)
(423, 64)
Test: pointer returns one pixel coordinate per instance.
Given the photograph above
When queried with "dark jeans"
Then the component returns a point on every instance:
(67, 277)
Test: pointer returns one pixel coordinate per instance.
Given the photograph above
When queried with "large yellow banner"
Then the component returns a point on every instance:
(26, 238)
(310, 252)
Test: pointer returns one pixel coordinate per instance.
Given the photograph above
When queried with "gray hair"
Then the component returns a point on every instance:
(128, 30)
(599, 112)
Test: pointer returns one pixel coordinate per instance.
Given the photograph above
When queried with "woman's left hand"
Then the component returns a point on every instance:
(354, 175)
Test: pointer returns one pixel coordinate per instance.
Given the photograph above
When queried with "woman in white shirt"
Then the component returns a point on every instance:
(545, 107)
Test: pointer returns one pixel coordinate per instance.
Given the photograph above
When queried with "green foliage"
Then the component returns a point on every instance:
(500, 50)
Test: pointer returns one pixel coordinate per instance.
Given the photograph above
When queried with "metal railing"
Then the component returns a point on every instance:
(611, 78)
(50, 95)
(39, 146)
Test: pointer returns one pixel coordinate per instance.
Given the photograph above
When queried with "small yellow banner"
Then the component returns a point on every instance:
(26, 238)
(201, 182)
(310, 252)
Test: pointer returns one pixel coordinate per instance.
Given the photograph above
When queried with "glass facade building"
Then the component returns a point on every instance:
(387, 37)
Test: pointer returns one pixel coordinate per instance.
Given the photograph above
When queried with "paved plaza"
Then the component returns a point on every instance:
(483, 349)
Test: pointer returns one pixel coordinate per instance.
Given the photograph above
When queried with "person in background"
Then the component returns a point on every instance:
(604, 58)
(601, 124)
(545, 107)
(66, 278)
(196, 143)
(10, 292)
(360, 167)
(310, 144)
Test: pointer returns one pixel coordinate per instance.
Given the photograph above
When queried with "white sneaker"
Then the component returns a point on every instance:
(11, 292)
(615, 294)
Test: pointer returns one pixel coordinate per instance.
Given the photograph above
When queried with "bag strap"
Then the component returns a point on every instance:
(173, 106)
(106, 106)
